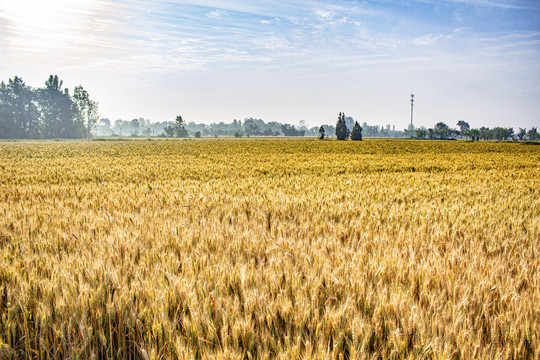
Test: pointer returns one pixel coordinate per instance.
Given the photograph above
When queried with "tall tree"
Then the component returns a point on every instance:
(180, 130)
(483, 133)
(58, 111)
(522, 133)
(463, 127)
(87, 110)
(533, 133)
(342, 132)
(511, 133)
(356, 133)
(321, 133)
(19, 115)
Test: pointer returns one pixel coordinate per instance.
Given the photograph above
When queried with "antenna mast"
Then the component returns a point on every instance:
(412, 106)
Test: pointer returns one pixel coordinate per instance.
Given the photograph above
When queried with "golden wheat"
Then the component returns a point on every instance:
(269, 249)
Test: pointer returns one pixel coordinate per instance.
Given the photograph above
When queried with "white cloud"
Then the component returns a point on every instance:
(325, 14)
(215, 14)
(426, 40)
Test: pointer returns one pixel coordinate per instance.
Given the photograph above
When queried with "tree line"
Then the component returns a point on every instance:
(441, 131)
(45, 113)
(237, 128)
(179, 128)
(258, 127)
(52, 112)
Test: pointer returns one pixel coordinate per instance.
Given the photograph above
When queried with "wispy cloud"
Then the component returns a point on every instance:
(520, 5)
(426, 40)
(215, 14)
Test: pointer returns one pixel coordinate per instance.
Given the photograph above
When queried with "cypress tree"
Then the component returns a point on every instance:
(342, 132)
(321, 133)
(356, 133)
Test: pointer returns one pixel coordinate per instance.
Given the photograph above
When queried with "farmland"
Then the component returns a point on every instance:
(269, 249)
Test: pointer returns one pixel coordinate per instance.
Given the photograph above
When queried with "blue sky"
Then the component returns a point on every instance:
(211, 61)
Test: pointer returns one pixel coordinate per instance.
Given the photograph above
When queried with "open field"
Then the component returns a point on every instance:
(269, 249)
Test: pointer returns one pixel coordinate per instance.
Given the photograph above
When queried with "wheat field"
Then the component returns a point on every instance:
(269, 249)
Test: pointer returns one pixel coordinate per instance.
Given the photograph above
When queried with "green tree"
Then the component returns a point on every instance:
(135, 127)
(342, 132)
(19, 114)
(87, 109)
(442, 130)
(533, 133)
(59, 111)
(511, 134)
(169, 131)
(420, 133)
(252, 127)
(269, 132)
(500, 133)
(321, 133)
(483, 133)
(522, 134)
(198, 134)
(463, 127)
(180, 130)
(356, 133)
(290, 130)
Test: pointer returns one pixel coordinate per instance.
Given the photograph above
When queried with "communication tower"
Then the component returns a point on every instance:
(412, 107)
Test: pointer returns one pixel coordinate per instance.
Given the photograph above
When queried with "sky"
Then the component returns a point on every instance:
(286, 61)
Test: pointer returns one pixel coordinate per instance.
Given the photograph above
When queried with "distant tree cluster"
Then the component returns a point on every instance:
(441, 131)
(237, 128)
(290, 130)
(45, 113)
(177, 130)
(342, 131)
(133, 128)
(380, 131)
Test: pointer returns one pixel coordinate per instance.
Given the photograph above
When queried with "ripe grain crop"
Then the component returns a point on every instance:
(241, 249)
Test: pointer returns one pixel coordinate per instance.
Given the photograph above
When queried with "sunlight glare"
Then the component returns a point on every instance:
(36, 13)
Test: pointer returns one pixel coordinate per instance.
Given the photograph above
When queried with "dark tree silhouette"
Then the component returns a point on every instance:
(45, 113)
(356, 133)
(342, 132)
(321, 133)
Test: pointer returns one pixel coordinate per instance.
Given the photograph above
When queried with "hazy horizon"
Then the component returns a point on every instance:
(213, 61)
